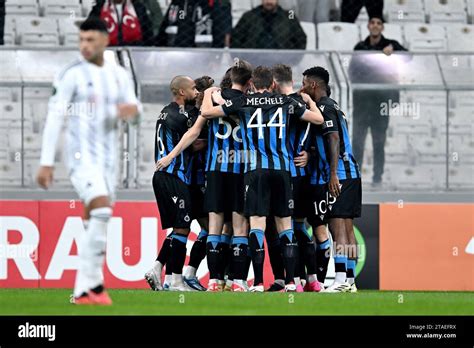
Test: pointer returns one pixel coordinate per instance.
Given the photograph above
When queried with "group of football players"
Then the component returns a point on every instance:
(253, 160)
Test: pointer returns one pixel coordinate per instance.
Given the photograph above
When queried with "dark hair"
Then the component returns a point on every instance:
(378, 16)
(262, 77)
(282, 73)
(94, 23)
(328, 90)
(203, 83)
(241, 72)
(317, 72)
(226, 80)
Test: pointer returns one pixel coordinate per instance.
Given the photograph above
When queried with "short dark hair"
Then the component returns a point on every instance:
(241, 72)
(378, 16)
(262, 77)
(226, 80)
(319, 73)
(282, 73)
(203, 83)
(94, 23)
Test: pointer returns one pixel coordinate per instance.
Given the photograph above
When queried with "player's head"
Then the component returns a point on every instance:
(316, 82)
(183, 88)
(375, 25)
(241, 73)
(202, 83)
(262, 78)
(270, 5)
(283, 76)
(93, 39)
(226, 80)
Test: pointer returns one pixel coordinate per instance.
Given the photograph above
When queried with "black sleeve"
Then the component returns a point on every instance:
(232, 106)
(397, 47)
(330, 119)
(240, 34)
(95, 12)
(359, 46)
(297, 108)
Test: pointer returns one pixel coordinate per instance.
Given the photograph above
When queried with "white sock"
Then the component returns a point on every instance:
(340, 277)
(158, 267)
(168, 279)
(92, 252)
(297, 281)
(312, 278)
(176, 278)
(190, 272)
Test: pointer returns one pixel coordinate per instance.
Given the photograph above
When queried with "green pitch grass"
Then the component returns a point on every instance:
(146, 302)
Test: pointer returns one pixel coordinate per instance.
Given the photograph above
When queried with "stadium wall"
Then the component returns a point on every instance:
(401, 246)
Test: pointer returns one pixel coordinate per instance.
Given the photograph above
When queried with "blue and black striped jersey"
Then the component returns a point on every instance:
(334, 121)
(265, 119)
(299, 136)
(171, 125)
(198, 175)
(225, 141)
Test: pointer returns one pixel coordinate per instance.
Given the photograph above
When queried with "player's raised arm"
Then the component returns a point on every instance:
(208, 110)
(188, 138)
(313, 114)
(63, 89)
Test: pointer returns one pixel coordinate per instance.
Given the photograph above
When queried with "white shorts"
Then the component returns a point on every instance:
(91, 183)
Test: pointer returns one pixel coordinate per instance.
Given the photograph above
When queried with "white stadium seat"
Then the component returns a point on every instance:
(446, 11)
(88, 4)
(425, 37)
(287, 5)
(401, 16)
(63, 8)
(36, 31)
(310, 31)
(460, 37)
(391, 31)
(22, 7)
(405, 5)
(470, 10)
(9, 35)
(69, 31)
(337, 36)
(363, 17)
(239, 7)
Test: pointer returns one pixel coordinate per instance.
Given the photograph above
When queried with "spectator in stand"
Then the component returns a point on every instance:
(221, 16)
(153, 11)
(314, 11)
(367, 103)
(350, 9)
(268, 26)
(127, 22)
(178, 28)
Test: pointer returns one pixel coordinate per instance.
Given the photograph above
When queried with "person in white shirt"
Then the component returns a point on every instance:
(92, 94)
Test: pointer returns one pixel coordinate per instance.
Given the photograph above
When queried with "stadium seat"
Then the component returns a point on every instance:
(9, 35)
(470, 10)
(363, 17)
(87, 7)
(285, 4)
(337, 36)
(401, 16)
(310, 31)
(444, 6)
(460, 37)
(448, 17)
(64, 8)
(425, 37)
(35, 31)
(69, 31)
(404, 5)
(239, 7)
(22, 7)
(392, 31)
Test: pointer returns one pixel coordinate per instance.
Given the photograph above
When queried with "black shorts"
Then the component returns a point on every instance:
(224, 193)
(349, 203)
(197, 199)
(268, 192)
(318, 208)
(301, 196)
(173, 199)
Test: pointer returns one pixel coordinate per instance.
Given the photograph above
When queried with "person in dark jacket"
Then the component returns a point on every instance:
(350, 9)
(367, 102)
(178, 28)
(127, 22)
(268, 26)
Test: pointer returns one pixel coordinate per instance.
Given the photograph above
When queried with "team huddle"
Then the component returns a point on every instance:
(254, 160)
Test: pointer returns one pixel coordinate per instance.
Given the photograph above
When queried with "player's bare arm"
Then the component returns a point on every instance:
(333, 185)
(312, 115)
(188, 139)
(208, 110)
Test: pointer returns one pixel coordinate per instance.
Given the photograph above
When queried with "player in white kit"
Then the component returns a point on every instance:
(92, 94)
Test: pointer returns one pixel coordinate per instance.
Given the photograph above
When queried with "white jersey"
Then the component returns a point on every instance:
(87, 96)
